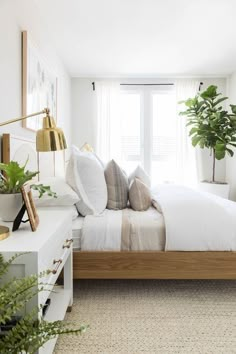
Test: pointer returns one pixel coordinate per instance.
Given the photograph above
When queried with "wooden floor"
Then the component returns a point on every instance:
(154, 265)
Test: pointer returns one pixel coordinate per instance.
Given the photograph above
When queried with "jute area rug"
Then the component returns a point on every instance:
(152, 316)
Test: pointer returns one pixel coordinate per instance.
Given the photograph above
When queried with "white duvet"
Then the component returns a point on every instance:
(196, 221)
(189, 221)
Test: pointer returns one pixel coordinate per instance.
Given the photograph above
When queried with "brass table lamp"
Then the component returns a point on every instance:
(49, 138)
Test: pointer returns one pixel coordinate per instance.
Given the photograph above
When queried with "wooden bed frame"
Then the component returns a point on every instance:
(154, 265)
(144, 264)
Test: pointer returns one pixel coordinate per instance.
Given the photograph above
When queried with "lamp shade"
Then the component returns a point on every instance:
(50, 138)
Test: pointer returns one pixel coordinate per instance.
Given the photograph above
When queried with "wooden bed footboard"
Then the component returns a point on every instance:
(154, 265)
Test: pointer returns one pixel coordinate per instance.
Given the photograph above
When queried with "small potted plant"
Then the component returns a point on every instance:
(15, 176)
(212, 127)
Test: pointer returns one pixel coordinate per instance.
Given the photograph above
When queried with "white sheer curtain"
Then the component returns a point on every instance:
(107, 94)
(186, 153)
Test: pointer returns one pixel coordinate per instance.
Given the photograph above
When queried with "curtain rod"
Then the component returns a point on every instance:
(171, 84)
(164, 84)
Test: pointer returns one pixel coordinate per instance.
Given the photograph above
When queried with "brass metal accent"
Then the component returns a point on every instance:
(4, 232)
(68, 243)
(58, 263)
(50, 138)
(86, 147)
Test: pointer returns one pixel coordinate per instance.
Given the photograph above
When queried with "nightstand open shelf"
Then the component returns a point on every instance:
(49, 248)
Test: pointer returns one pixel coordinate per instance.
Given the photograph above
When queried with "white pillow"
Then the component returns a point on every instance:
(140, 174)
(65, 194)
(86, 176)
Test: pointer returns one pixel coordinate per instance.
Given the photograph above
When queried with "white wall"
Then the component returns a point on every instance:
(16, 16)
(231, 161)
(84, 118)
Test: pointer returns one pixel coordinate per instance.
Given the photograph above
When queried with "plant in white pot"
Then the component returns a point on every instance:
(15, 176)
(212, 127)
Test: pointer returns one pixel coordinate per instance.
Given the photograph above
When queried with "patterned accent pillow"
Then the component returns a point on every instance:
(139, 195)
(140, 174)
(117, 186)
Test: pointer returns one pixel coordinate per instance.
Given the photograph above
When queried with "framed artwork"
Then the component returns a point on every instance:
(29, 207)
(39, 85)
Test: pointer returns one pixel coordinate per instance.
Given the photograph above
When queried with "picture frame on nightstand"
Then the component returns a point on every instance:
(29, 207)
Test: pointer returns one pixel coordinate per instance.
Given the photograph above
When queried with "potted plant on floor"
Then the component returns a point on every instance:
(15, 176)
(214, 128)
(24, 334)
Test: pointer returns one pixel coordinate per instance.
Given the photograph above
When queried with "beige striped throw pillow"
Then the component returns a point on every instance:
(117, 186)
(139, 195)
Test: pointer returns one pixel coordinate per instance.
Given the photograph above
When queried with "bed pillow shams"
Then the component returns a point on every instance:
(140, 174)
(117, 186)
(88, 148)
(86, 176)
(139, 196)
(66, 196)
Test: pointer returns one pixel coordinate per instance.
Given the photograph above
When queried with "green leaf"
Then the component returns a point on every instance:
(210, 92)
(43, 189)
(193, 130)
(195, 140)
(220, 147)
(230, 152)
(218, 101)
(219, 154)
(233, 108)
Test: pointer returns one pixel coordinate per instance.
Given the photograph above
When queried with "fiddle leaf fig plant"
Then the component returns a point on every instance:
(212, 126)
(16, 176)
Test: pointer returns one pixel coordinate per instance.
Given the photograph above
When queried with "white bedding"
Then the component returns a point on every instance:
(126, 230)
(77, 226)
(196, 221)
(190, 221)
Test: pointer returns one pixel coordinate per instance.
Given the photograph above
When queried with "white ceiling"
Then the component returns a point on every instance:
(105, 38)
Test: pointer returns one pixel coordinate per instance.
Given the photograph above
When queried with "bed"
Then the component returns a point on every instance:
(134, 264)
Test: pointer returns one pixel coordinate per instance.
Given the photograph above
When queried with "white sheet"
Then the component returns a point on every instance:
(77, 226)
(140, 231)
(196, 221)
(102, 232)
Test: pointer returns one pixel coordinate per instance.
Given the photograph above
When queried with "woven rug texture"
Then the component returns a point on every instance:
(152, 316)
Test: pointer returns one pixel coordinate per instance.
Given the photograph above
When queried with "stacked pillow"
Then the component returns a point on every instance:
(120, 188)
(139, 190)
(117, 186)
(86, 176)
(139, 195)
(97, 189)
(65, 195)
(140, 174)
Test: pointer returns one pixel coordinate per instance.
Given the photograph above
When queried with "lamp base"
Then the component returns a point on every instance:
(4, 232)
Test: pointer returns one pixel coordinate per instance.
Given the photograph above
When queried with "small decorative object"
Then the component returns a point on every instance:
(212, 126)
(4, 232)
(39, 86)
(10, 188)
(28, 205)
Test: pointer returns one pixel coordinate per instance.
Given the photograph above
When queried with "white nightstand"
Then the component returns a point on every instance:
(50, 247)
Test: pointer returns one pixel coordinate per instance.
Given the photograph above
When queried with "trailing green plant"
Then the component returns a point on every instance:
(28, 334)
(212, 126)
(16, 176)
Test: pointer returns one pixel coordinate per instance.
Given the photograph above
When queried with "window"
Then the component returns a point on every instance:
(130, 116)
(163, 160)
(148, 131)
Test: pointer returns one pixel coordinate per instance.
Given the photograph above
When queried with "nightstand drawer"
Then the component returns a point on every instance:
(54, 248)
(55, 268)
